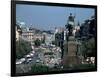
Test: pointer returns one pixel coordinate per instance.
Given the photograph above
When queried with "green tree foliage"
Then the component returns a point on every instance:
(53, 42)
(43, 40)
(22, 48)
(89, 47)
(80, 67)
(37, 42)
(36, 68)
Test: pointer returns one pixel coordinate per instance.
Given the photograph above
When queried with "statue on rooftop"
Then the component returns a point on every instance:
(70, 24)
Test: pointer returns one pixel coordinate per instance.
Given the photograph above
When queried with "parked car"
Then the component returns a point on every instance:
(37, 61)
(20, 61)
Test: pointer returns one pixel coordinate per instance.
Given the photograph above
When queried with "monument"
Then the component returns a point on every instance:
(70, 24)
(70, 57)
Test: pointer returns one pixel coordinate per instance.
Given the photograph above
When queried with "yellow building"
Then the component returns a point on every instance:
(18, 32)
(30, 36)
(27, 35)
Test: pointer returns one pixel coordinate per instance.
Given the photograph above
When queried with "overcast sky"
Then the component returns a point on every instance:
(49, 17)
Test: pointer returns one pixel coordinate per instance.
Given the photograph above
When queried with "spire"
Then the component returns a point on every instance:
(78, 24)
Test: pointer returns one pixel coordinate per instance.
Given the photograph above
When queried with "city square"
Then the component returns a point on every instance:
(71, 46)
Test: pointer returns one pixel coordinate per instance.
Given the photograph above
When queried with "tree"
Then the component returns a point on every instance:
(43, 40)
(89, 48)
(37, 42)
(92, 27)
(22, 48)
(53, 42)
(37, 68)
